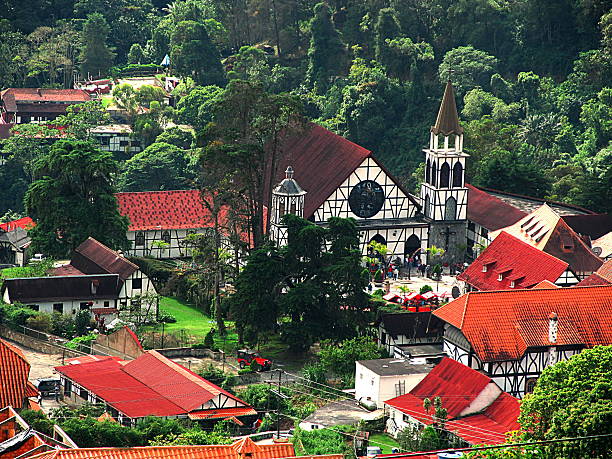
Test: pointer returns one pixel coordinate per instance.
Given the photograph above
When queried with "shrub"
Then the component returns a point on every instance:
(246, 370)
(209, 339)
(425, 289)
(166, 317)
(37, 420)
(17, 315)
(81, 321)
(82, 343)
(41, 322)
(62, 325)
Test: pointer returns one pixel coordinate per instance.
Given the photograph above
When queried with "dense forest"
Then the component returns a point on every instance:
(533, 79)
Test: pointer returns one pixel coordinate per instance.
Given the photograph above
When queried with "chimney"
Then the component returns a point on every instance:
(553, 325)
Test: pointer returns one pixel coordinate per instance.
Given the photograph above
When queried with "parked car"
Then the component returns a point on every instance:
(48, 386)
(246, 358)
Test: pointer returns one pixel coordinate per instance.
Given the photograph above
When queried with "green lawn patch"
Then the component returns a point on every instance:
(384, 441)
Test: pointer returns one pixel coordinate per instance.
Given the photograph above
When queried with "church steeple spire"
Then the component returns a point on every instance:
(447, 122)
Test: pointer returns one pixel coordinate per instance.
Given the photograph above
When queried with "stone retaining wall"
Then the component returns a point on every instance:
(45, 346)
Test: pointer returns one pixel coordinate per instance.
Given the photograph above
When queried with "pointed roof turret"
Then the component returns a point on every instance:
(447, 122)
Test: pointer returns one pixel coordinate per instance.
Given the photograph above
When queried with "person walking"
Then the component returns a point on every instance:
(395, 273)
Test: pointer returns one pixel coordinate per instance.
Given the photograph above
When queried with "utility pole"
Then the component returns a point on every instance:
(281, 397)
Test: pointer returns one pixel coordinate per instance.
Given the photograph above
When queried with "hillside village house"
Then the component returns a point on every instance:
(35, 105)
(513, 335)
(478, 410)
(150, 385)
(97, 279)
(381, 379)
(400, 331)
(509, 263)
(117, 139)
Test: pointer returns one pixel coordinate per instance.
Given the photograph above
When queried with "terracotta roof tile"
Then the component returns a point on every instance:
(501, 325)
(14, 371)
(516, 261)
(222, 413)
(279, 450)
(23, 223)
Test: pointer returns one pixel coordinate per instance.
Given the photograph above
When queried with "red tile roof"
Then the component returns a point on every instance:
(489, 211)
(322, 161)
(222, 413)
(149, 385)
(458, 386)
(501, 325)
(14, 371)
(516, 261)
(23, 223)
(12, 97)
(603, 276)
(240, 449)
(154, 210)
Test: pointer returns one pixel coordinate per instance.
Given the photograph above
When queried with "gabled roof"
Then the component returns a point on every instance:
(240, 449)
(159, 210)
(603, 276)
(516, 261)
(458, 387)
(93, 257)
(547, 231)
(447, 122)
(603, 245)
(490, 212)
(14, 372)
(85, 287)
(322, 161)
(150, 385)
(502, 325)
(23, 223)
(12, 97)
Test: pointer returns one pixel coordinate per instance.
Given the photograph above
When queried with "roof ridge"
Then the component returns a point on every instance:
(125, 193)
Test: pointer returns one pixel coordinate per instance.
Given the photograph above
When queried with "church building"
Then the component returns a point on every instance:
(326, 175)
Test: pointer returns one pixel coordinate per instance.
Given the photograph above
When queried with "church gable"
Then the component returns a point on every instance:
(368, 193)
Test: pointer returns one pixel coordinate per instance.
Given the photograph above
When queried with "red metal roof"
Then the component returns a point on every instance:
(154, 210)
(14, 371)
(501, 325)
(516, 261)
(240, 449)
(149, 385)
(458, 386)
(23, 223)
(489, 211)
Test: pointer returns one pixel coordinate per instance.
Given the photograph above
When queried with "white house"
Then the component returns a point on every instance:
(97, 279)
(381, 379)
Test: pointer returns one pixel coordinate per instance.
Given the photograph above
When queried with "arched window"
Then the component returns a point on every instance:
(139, 239)
(450, 209)
(412, 247)
(457, 175)
(293, 206)
(166, 237)
(444, 175)
(434, 174)
(281, 208)
(427, 206)
(427, 171)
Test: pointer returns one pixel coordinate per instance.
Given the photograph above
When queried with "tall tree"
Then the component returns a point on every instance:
(193, 54)
(246, 140)
(386, 28)
(326, 55)
(73, 199)
(96, 57)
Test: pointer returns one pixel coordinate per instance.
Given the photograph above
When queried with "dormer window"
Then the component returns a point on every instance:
(484, 268)
(512, 284)
(500, 277)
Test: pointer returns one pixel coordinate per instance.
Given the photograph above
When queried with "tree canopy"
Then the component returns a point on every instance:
(72, 199)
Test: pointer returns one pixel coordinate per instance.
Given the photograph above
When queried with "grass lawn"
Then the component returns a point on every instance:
(384, 441)
(192, 321)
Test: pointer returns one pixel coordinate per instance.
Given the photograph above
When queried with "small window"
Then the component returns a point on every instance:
(372, 382)
(85, 306)
(166, 237)
(137, 284)
(315, 426)
(67, 387)
(83, 393)
(500, 277)
(124, 143)
(104, 140)
(58, 307)
(106, 304)
(484, 268)
(484, 232)
(360, 375)
(472, 226)
(530, 384)
(405, 418)
(33, 307)
(139, 240)
(512, 284)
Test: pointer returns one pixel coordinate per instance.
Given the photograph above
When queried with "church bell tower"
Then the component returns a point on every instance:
(287, 198)
(443, 193)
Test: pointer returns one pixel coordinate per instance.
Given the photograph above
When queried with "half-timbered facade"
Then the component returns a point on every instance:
(342, 179)
(512, 335)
